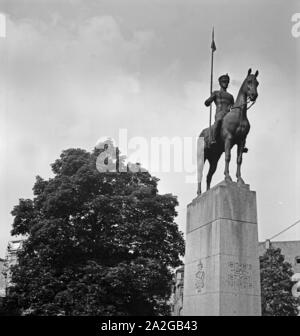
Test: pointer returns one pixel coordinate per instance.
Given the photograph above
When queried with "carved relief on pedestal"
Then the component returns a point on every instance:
(239, 276)
(199, 277)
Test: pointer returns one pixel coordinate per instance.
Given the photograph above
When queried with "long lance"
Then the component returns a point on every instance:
(213, 49)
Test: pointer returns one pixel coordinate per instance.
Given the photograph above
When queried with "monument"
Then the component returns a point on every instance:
(221, 275)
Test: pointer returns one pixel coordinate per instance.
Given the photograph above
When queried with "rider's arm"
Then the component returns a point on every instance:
(210, 99)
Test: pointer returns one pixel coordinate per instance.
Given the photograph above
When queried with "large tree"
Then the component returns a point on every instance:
(276, 285)
(98, 243)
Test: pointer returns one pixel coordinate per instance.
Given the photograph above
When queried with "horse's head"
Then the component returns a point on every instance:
(250, 85)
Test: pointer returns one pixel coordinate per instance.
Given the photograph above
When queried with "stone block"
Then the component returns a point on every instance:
(221, 274)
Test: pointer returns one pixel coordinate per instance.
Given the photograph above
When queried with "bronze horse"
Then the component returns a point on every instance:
(234, 130)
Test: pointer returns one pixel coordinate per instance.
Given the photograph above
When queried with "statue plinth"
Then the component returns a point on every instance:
(221, 275)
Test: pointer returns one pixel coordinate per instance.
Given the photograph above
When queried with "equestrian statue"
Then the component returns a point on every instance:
(231, 127)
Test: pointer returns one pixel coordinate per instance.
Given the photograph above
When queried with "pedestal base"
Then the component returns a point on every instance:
(221, 275)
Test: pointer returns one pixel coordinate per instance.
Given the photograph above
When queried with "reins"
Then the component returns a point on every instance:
(240, 106)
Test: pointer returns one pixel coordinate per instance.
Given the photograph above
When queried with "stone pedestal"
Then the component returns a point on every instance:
(221, 275)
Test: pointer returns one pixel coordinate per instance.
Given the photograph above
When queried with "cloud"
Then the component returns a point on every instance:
(89, 51)
(49, 67)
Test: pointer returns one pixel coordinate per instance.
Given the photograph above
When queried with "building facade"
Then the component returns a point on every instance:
(14, 246)
(2, 279)
(177, 292)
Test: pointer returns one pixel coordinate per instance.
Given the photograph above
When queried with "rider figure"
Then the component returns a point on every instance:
(223, 100)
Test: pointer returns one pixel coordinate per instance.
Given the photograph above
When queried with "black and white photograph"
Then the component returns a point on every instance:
(150, 159)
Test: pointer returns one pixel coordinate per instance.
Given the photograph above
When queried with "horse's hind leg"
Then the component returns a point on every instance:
(199, 189)
(212, 168)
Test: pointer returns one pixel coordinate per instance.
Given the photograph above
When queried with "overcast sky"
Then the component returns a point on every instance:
(72, 71)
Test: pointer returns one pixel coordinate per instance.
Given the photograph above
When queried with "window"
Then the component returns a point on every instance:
(297, 260)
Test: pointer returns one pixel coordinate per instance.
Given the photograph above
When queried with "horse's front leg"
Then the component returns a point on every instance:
(239, 159)
(228, 145)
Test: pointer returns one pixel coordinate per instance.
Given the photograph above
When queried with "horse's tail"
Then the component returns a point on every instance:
(200, 158)
(202, 151)
(205, 134)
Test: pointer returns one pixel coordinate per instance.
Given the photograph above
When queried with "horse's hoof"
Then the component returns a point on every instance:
(228, 179)
(240, 181)
(199, 189)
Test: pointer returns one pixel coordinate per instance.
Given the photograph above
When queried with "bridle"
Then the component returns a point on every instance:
(242, 105)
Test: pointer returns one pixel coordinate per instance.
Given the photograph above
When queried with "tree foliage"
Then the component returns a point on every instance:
(276, 285)
(97, 243)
